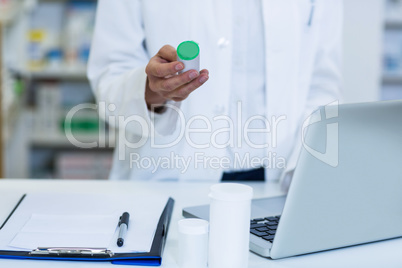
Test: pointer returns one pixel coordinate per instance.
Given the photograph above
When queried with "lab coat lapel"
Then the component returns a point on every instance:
(282, 38)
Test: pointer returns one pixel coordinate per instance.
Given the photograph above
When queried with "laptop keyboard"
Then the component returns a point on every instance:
(265, 227)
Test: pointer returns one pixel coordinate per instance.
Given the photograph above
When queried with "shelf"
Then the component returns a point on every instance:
(57, 74)
(60, 140)
(393, 24)
(392, 79)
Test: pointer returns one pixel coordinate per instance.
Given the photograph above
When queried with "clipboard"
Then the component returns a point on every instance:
(151, 258)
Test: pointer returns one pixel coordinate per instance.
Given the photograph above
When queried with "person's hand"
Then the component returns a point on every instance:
(163, 82)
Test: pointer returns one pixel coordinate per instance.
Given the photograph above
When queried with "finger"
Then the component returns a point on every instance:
(185, 90)
(168, 53)
(177, 81)
(155, 68)
(204, 71)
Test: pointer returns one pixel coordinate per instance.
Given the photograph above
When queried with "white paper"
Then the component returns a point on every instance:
(30, 241)
(79, 224)
(88, 220)
(43, 230)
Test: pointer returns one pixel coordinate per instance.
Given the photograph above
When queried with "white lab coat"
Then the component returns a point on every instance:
(303, 71)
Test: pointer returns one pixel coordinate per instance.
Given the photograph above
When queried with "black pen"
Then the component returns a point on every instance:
(123, 225)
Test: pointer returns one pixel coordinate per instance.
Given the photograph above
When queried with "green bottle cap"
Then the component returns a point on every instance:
(188, 50)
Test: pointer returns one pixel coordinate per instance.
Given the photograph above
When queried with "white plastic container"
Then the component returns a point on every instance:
(230, 213)
(193, 243)
(188, 52)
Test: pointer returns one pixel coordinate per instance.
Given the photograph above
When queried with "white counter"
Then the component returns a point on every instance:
(386, 254)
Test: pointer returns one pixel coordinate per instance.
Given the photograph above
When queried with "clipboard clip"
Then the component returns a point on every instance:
(70, 251)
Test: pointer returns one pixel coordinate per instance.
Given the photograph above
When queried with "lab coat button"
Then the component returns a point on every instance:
(223, 42)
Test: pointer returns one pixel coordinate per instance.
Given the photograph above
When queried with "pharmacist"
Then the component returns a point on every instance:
(266, 65)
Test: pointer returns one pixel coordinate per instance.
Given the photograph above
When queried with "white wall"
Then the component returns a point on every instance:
(363, 35)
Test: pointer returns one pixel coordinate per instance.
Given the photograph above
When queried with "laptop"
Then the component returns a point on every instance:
(346, 189)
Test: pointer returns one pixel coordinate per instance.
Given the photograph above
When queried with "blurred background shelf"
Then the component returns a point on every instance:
(391, 82)
(60, 140)
(46, 50)
(58, 73)
(392, 79)
(393, 23)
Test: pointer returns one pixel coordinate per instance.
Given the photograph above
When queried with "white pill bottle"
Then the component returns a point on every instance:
(193, 243)
(188, 52)
(229, 219)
